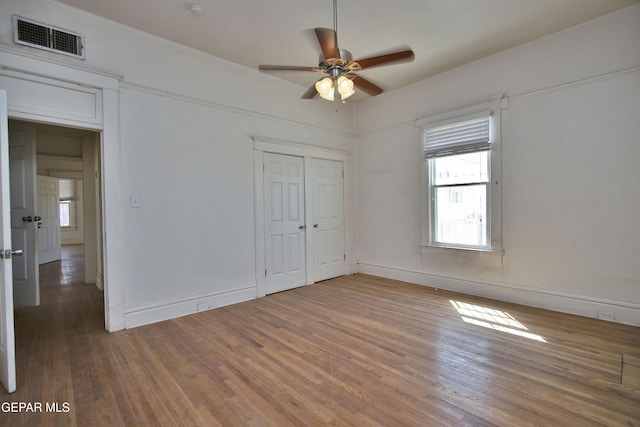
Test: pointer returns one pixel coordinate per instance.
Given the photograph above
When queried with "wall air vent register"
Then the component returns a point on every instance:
(43, 36)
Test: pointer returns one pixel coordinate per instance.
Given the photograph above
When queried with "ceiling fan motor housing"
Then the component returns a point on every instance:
(339, 66)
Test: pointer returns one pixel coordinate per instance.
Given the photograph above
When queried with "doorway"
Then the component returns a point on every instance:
(42, 154)
(73, 96)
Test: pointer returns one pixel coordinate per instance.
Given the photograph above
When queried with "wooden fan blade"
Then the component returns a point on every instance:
(287, 68)
(365, 85)
(328, 42)
(388, 59)
(310, 93)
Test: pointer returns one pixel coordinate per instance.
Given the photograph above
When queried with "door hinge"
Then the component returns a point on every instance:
(345, 257)
(265, 272)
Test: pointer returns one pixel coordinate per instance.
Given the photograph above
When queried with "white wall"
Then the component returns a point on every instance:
(186, 122)
(570, 175)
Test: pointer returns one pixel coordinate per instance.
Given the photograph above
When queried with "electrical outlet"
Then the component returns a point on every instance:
(606, 315)
(203, 307)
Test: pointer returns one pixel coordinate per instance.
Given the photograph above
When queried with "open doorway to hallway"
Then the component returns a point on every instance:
(55, 201)
(68, 284)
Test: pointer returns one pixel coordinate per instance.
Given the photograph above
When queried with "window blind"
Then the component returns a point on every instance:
(457, 138)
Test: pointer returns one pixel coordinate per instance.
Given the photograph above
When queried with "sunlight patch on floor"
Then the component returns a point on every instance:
(493, 319)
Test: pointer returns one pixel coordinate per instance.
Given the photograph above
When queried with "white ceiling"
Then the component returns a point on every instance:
(442, 33)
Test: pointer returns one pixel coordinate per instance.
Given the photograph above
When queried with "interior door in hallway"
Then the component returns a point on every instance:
(284, 222)
(49, 246)
(328, 219)
(22, 169)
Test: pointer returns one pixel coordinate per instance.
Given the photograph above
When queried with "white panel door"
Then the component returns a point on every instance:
(7, 340)
(48, 225)
(328, 219)
(22, 168)
(284, 222)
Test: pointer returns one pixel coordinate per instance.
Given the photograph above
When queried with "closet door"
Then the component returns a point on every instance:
(284, 222)
(328, 219)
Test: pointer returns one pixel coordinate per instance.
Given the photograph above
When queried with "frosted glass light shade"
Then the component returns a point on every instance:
(345, 87)
(325, 88)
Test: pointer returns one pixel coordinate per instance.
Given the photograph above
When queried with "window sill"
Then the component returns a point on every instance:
(462, 250)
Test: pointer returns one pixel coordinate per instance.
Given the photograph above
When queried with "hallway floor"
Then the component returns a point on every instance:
(68, 271)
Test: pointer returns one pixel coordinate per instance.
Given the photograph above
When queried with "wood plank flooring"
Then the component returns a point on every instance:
(356, 350)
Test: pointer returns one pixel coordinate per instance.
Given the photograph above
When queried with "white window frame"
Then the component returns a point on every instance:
(60, 204)
(494, 187)
(71, 201)
(73, 225)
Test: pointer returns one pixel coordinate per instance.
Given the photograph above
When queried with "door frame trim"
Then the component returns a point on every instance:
(307, 152)
(33, 70)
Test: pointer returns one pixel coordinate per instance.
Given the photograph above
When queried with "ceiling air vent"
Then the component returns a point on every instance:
(43, 36)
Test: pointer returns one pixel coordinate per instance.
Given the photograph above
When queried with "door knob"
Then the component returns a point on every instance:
(302, 227)
(27, 218)
(39, 225)
(7, 253)
(315, 225)
(37, 218)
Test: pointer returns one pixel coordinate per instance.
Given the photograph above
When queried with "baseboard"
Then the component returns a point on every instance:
(353, 267)
(166, 310)
(616, 311)
(71, 241)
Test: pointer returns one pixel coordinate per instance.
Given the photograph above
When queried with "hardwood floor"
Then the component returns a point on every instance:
(356, 350)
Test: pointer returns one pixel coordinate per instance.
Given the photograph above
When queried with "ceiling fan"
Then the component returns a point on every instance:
(339, 66)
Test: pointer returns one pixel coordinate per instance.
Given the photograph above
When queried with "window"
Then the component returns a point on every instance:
(65, 213)
(67, 203)
(461, 161)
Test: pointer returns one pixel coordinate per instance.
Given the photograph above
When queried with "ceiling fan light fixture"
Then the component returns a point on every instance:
(325, 88)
